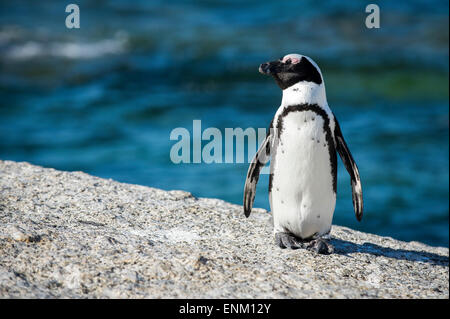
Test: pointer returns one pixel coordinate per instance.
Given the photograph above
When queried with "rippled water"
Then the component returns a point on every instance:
(103, 99)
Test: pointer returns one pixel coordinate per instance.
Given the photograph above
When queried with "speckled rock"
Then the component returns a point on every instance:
(72, 235)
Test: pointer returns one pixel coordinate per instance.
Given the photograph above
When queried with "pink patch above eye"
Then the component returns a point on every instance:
(293, 60)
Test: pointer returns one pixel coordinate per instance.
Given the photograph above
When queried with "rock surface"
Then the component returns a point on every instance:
(72, 235)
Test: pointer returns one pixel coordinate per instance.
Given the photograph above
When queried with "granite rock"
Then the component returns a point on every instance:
(72, 235)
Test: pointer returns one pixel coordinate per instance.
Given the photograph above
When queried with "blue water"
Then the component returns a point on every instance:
(104, 98)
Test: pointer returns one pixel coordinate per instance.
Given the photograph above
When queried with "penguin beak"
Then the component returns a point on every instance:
(270, 67)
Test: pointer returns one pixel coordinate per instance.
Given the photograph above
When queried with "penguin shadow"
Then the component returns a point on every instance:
(343, 247)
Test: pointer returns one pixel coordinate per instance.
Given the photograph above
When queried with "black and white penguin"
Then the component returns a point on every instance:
(303, 138)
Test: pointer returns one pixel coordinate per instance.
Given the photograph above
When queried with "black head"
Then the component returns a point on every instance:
(291, 69)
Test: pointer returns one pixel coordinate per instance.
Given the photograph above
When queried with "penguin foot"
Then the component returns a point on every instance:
(287, 240)
(320, 246)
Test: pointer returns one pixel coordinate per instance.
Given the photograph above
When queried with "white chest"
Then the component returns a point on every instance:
(302, 195)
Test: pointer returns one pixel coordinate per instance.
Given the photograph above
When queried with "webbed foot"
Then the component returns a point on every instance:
(320, 246)
(287, 240)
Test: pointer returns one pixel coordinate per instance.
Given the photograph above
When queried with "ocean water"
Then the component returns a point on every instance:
(104, 98)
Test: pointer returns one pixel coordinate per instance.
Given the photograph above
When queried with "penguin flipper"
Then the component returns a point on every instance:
(260, 160)
(352, 169)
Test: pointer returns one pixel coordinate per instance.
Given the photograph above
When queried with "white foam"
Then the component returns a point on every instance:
(69, 50)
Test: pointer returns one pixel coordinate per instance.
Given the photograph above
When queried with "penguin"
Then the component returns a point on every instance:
(301, 144)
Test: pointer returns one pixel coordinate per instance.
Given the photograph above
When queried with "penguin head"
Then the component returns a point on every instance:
(292, 69)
